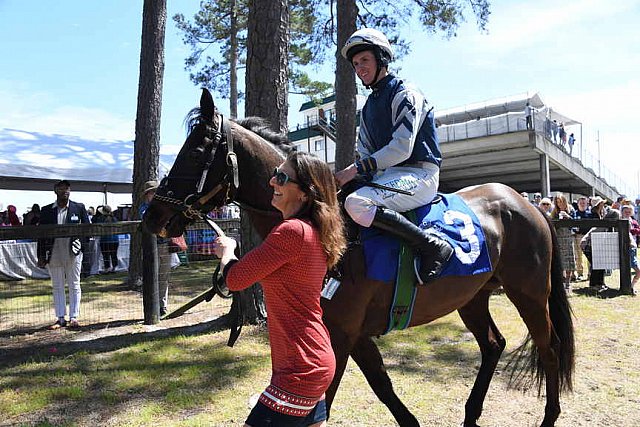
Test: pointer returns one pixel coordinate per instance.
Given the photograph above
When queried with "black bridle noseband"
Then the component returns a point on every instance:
(194, 205)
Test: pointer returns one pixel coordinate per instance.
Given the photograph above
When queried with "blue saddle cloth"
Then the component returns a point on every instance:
(450, 219)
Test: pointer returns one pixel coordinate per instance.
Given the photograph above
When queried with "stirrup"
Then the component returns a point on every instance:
(416, 270)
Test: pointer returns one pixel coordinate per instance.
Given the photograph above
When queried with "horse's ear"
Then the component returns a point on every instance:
(207, 108)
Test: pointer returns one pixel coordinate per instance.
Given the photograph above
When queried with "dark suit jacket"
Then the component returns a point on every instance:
(49, 215)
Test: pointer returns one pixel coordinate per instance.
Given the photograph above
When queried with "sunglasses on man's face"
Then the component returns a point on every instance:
(282, 178)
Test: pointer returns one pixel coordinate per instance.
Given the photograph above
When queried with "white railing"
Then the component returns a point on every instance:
(515, 122)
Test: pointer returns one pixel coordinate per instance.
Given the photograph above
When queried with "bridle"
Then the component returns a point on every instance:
(195, 205)
(217, 134)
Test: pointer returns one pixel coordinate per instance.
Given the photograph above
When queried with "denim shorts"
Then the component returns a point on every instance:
(634, 258)
(263, 416)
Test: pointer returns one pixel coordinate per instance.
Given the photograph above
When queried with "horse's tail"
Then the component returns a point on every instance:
(561, 318)
(562, 338)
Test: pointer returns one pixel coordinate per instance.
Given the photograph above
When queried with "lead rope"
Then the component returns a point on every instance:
(236, 313)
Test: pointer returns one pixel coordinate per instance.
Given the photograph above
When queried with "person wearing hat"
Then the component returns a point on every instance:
(597, 207)
(545, 206)
(536, 199)
(398, 147)
(164, 256)
(63, 255)
(108, 243)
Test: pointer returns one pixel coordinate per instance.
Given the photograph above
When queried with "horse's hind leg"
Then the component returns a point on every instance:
(476, 317)
(368, 358)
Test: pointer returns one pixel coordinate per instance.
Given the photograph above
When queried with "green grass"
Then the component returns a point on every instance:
(197, 380)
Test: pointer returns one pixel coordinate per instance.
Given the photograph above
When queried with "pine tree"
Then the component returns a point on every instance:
(147, 139)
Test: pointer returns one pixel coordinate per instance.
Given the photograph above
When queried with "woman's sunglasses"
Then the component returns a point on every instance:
(282, 178)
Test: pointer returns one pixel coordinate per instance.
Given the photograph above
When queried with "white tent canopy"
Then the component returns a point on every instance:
(494, 107)
(35, 161)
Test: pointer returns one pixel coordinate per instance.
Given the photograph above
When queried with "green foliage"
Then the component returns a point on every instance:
(445, 16)
(303, 84)
(208, 36)
(312, 33)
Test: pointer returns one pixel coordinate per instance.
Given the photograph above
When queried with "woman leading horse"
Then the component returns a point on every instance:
(291, 264)
(223, 161)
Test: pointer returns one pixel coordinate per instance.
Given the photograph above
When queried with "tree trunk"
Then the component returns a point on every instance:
(266, 96)
(146, 150)
(267, 62)
(254, 308)
(233, 61)
(346, 12)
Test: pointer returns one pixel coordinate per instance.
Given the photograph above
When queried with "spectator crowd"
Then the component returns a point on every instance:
(576, 242)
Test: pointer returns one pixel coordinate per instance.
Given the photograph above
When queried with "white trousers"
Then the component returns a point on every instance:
(164, 270)
(361, 205)
(66, 270)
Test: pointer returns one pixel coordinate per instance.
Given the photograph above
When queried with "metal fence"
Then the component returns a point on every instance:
(26, 301)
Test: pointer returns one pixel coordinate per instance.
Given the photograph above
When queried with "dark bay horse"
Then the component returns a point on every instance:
(223, 161)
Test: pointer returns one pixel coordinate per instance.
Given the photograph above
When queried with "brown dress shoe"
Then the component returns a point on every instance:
(60, 323)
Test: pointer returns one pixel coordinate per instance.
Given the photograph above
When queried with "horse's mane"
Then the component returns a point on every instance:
(261, 127)
(257, 125)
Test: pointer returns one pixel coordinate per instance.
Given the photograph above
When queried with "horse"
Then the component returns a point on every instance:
(223, 161)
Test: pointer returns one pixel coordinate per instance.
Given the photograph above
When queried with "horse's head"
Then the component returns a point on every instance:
(203, 176)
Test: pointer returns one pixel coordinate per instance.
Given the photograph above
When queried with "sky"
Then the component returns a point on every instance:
(71, 67)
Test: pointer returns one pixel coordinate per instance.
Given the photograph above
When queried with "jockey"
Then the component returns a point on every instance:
(398, 147)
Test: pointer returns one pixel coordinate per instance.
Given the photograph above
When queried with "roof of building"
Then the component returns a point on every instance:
(495, 107)
(309, 105)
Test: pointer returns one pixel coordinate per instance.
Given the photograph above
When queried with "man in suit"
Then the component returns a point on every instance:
(63, 255)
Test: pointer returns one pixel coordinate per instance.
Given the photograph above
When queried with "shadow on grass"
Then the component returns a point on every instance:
(18, 332)
(173, 375)
(598, 293)
(442, 352)
(434, 348)
(49, 352)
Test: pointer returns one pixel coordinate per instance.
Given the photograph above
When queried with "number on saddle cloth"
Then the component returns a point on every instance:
(448, 218)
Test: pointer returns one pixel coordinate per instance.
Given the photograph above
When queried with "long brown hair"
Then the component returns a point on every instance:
(317, 181)
(557, 208)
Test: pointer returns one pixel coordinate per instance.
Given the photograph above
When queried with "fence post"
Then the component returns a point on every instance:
(150, 301)
(625, 262)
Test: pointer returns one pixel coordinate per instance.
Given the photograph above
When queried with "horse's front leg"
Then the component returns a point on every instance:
(368, 358)
(342, 342)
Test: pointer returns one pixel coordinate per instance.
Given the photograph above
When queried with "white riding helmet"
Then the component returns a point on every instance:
(367, 38)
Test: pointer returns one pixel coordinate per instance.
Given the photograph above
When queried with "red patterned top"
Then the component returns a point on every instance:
(291, 264)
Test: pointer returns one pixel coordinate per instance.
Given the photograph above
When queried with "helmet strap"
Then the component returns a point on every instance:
(375, 78)
(379, 64)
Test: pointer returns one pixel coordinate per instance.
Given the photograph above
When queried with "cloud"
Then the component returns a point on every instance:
(520, 25)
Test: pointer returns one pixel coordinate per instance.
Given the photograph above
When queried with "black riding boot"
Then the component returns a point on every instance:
(433, 252)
